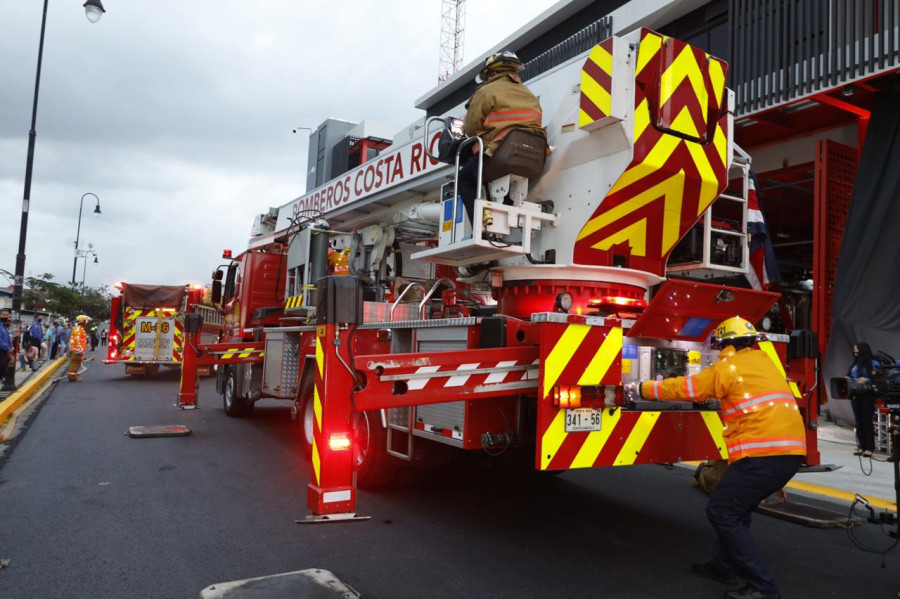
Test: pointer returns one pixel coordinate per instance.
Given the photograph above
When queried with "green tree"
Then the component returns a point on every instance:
(44, 294)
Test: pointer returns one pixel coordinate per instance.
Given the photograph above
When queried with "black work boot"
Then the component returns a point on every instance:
(714, 571)
(748, 592)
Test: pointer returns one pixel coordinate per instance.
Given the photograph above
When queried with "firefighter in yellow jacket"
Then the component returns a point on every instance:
(501, 102)
(766, 442)
(77, 347)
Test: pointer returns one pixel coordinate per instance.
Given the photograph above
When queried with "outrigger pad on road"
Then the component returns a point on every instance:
(820, 468)
(162, 430)
(302, 584)
(808, 515)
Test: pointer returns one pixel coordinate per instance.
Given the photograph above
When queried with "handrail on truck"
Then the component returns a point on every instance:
(400, 297)
(431, 292)
(464, 144)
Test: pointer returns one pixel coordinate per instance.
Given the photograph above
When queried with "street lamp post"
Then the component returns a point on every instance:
(78, 231)
(90, 250)
(93, 11)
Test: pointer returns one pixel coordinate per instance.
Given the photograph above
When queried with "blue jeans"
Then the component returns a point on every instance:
(745, 484)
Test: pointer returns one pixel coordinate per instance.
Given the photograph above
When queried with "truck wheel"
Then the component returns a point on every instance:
(374, 466)
(235, 405)
(306, 420)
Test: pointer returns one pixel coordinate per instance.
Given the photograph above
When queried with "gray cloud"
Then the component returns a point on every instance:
(178, 115)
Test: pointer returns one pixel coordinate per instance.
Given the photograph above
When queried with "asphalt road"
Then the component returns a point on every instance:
(88, 512)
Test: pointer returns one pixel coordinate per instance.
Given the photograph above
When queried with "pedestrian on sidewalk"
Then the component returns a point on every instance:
(54, 340)
(78, 345)
(64, 332)
(863, 403)
(36, 332)
(5, 343)
(45, 347)
(766, 442)
(28, 357)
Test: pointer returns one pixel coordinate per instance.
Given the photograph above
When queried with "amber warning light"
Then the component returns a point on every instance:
(339, 442)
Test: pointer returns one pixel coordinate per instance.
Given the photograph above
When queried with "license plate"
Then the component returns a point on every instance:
(580, 420)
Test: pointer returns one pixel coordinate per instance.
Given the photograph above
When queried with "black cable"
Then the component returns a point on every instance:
(859, 544)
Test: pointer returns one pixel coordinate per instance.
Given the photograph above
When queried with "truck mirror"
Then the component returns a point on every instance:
(217, 290)
(217, 275)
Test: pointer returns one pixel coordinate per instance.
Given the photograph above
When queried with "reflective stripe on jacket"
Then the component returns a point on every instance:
(77, 340)
(499, 104)
(760, 414)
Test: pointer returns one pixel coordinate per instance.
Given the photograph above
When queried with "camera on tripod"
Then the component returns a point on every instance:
(885, 383)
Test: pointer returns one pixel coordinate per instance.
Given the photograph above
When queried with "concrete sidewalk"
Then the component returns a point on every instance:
(873, 478)
(23, 376)
(28, 383)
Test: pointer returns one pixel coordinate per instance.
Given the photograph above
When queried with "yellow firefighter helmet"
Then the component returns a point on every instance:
(732, 329)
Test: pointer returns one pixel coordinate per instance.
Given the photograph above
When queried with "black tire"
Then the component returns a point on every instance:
(235, 405)
(374, 466)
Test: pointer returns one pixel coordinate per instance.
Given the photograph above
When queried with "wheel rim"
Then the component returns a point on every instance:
(306, 421)
(361, 426)
(229, 391)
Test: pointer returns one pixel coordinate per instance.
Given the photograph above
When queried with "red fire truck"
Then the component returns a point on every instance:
(515, 330)
(146, 325)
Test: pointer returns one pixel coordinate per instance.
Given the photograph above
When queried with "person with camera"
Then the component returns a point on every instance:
(766, 442)
(861, 369)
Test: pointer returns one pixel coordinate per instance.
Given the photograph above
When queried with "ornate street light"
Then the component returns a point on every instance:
(93, 10)
(78, 231)
(85, 253)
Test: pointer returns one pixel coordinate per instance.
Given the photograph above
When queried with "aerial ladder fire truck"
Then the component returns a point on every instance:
(400, 330)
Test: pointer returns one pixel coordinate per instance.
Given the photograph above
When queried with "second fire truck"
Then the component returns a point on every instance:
(146, 325)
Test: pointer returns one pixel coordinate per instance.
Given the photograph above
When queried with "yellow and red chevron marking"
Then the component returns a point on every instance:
(178, 341)
(633, 437)
(671, 179)
(318, 394)
(596, 85)
(580, 354)
(691, 89)
(584, 355)
(128, 330)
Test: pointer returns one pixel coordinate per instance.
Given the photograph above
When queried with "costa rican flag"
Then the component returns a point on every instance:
(763, 267)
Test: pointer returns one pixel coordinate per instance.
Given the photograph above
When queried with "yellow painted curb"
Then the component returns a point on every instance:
(23, 393)
(877, 502)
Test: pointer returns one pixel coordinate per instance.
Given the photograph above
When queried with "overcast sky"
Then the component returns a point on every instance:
(178, 116)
